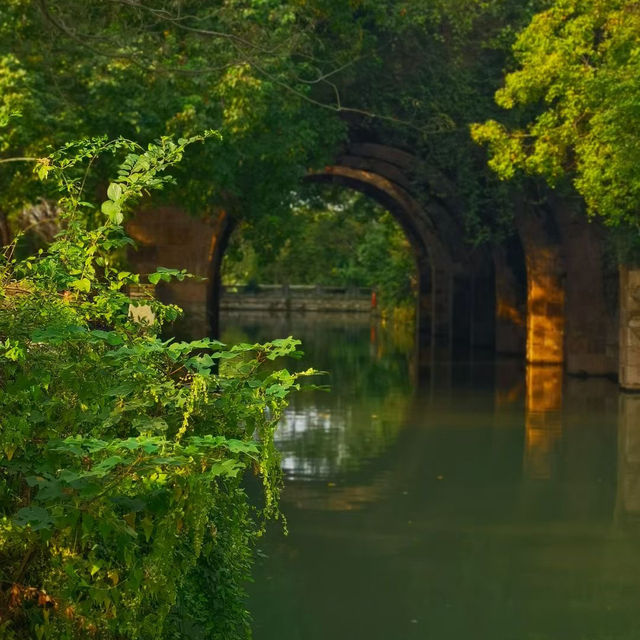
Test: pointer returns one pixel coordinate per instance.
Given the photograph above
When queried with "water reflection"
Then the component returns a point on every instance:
(543, 421)
(325, 440)
(326, 435)
(628, 504)
(481, 501)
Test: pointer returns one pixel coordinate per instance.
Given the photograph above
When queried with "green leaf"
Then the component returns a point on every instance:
(147, 527)
(113, 211)
(106, 465)
(81, 285)
(111, 337)
(228, 468)
(114, 192)
(36, 517)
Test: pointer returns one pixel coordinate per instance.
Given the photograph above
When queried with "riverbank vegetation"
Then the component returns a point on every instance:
(123, 513)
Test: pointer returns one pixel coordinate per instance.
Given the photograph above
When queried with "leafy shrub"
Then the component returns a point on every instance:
(122, 511)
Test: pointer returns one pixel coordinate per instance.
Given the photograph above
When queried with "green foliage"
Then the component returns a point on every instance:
(430, 69)
(88, 68)
(335, 237)
(284, 81)
(579, 77)
(122, 513)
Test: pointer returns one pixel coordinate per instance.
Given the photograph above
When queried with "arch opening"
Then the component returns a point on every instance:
(339, 246)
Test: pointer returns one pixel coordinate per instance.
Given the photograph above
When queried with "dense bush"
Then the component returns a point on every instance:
(122, 510)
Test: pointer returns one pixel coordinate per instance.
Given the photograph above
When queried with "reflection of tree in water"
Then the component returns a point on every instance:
(359, 365)
(322, 443)
(325, 434)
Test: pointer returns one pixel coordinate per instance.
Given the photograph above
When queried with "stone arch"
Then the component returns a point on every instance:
(566, 316)
(434, 265)
(433, 202)
(390, 176)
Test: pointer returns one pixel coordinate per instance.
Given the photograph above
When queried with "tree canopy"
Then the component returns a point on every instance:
(577, 85)
(284, 81)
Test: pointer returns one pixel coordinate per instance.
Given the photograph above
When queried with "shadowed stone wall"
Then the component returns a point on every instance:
(510, 311)
(591, 324)
(169, 237)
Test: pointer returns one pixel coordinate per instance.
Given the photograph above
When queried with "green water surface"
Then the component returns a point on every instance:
(454, 503)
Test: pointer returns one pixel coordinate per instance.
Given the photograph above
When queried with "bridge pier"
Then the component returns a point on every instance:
(590, 328)
(629, 361)
(545, 289)
(545, 306)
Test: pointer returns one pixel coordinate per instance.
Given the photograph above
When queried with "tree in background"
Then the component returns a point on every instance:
(335, 237)
(147, 69)
(578, 89)
(284, 81)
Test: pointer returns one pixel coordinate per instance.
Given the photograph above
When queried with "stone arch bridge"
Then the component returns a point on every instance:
(546, 294)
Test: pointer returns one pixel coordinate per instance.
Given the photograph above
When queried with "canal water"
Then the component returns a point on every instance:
(464, 499)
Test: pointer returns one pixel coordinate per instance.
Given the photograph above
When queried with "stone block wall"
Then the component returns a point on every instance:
(169, 237)
(510, 320)
(545, 306)
(629, 363)
(591, 319)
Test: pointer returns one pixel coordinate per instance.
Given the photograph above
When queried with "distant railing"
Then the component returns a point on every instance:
(275, 298)
(297, 290)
